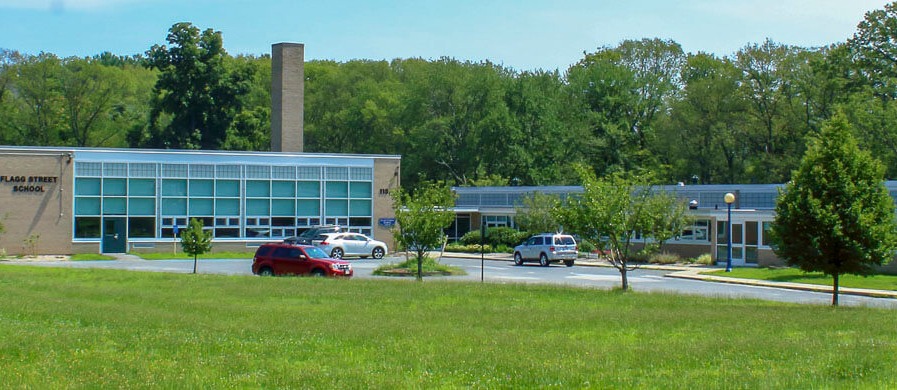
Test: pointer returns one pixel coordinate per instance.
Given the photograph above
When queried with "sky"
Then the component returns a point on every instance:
(521, 34)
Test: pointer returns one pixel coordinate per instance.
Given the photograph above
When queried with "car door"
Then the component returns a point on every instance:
(531, 249)
(355, 244)
(289, 261)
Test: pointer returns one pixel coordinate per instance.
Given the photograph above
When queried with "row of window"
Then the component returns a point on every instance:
(145, 227)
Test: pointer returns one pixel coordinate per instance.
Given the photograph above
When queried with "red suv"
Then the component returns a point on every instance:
(286, 259)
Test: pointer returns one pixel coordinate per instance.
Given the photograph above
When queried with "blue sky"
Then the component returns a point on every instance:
(522, 34)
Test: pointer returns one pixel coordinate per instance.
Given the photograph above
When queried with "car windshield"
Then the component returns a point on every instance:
(316, 253)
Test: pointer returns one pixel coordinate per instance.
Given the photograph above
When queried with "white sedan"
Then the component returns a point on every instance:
(340, 245)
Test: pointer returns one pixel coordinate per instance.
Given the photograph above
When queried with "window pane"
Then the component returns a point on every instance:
(750, 233)
(337, 189)
(283, 207)
(142, 187)
(736, 233)
(87, 227)
(767, 227)
(87, 206)
(257, 207)
(360, 208)
(142, 227)
(142, 206)
(360, 190)
(283, 189)
(87, 186)
(114, 187)
(174, 206)
(227, 207)
(258, 188)
(229, 188)
(308, 207)
(203, 206)
(337, 208)
(114, 206)
(202, 187)
(173, 187)
(309, 189)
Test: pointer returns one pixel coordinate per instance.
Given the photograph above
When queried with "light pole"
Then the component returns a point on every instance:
(729, 198)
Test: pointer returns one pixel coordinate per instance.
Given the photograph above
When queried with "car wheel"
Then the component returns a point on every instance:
(518, 260)
(568, 263)
(543, 260)
(336, 253)
(378, 253)
(317, 272)
(266, 271)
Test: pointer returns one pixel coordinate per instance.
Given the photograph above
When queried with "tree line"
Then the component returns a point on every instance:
(640, 105)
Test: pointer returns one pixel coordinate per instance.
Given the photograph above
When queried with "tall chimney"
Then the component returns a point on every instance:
(287, 96)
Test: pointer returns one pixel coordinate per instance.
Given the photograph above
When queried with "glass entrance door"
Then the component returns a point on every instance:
(737, 243)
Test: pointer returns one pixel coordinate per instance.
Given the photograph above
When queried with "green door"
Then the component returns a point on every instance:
(114, 235)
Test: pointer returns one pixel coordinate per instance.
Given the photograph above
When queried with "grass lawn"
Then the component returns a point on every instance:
(94, 328)
(794, 275)
(90, 257)
(182, 255)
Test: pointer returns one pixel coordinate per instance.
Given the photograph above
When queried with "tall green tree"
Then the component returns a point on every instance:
(535, 213)
(835, 215)
(197, 94)
(196, 241)
(421, 219)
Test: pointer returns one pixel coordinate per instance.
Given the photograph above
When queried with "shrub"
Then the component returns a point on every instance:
(462, 248)
(505, 236)
(586, 246)
(704, 259)
(471, 238)
(665, 258)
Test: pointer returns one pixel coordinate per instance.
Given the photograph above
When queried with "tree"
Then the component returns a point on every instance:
(198, 92)
(535, 213)
(835, 215)
(421, 218)
(614, 210)
(195, 240)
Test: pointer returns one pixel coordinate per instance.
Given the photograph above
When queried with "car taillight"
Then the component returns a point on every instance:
(324, 243)
(551, 248)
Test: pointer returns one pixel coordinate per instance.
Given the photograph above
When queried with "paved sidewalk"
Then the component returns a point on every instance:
(697, 273)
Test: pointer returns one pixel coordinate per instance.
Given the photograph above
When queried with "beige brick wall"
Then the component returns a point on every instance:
(43, 209)
(387, 172)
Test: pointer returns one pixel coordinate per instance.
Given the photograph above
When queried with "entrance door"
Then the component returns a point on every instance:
(114, 235)
(737, 243)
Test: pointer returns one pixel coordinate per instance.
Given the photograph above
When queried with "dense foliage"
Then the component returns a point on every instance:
(642, 104)
(421, 219)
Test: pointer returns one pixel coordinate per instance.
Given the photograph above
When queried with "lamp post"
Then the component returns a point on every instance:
(729, 198)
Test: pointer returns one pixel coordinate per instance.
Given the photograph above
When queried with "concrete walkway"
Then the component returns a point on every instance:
(697, 273)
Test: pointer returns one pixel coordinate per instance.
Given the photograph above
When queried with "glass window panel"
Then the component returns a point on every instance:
(87, 186)
(227, 207)
(174, 206)
(337, 189)
(283, 189)
(258, 188)
(767, 227)
(227, 232)
(736, 233)
(142, 187)
(88, 168)
(229, 171)
(279, 172)
(336, 208)
(142, 169)
(750, 233)
(173, 187)
(309, 173)
(115, 187)
(360, 208)
(142, 227)
(87, 227)
(308, 207)
(142, 206)
(228, 188)
(87, 206)
(309, 189)
(201, 206)
(283, 207)
(750, 254)
(202, 187)
(115, 206)
(257, 207)
(360, 190)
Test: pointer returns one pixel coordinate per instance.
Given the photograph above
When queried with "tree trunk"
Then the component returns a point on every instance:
(835, 289)
(624, 278)
(420, 266)
(194, 262)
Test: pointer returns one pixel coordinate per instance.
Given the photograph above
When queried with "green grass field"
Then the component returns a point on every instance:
(794, 275)
(92, 328)
(182, 255)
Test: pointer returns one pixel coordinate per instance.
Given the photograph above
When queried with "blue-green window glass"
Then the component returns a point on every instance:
(283, 207)
(258, 188)
(227, 207)
(87, 206)
(202, 187)
(308, 208)
(360, 190)
(142, 187)
(360, 208)
(309, 189)
(257, 207)
(337, 189)
(201, 206)
(115, 187)
(283, 189)
(174, 206)
(114, 206)
(228, 188)
(337, 208)
(87, 186)
(142, 206)
(174, 187)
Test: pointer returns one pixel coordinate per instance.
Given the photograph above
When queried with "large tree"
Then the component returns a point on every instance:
(835, 215)
(197, 94)
(421, 219)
